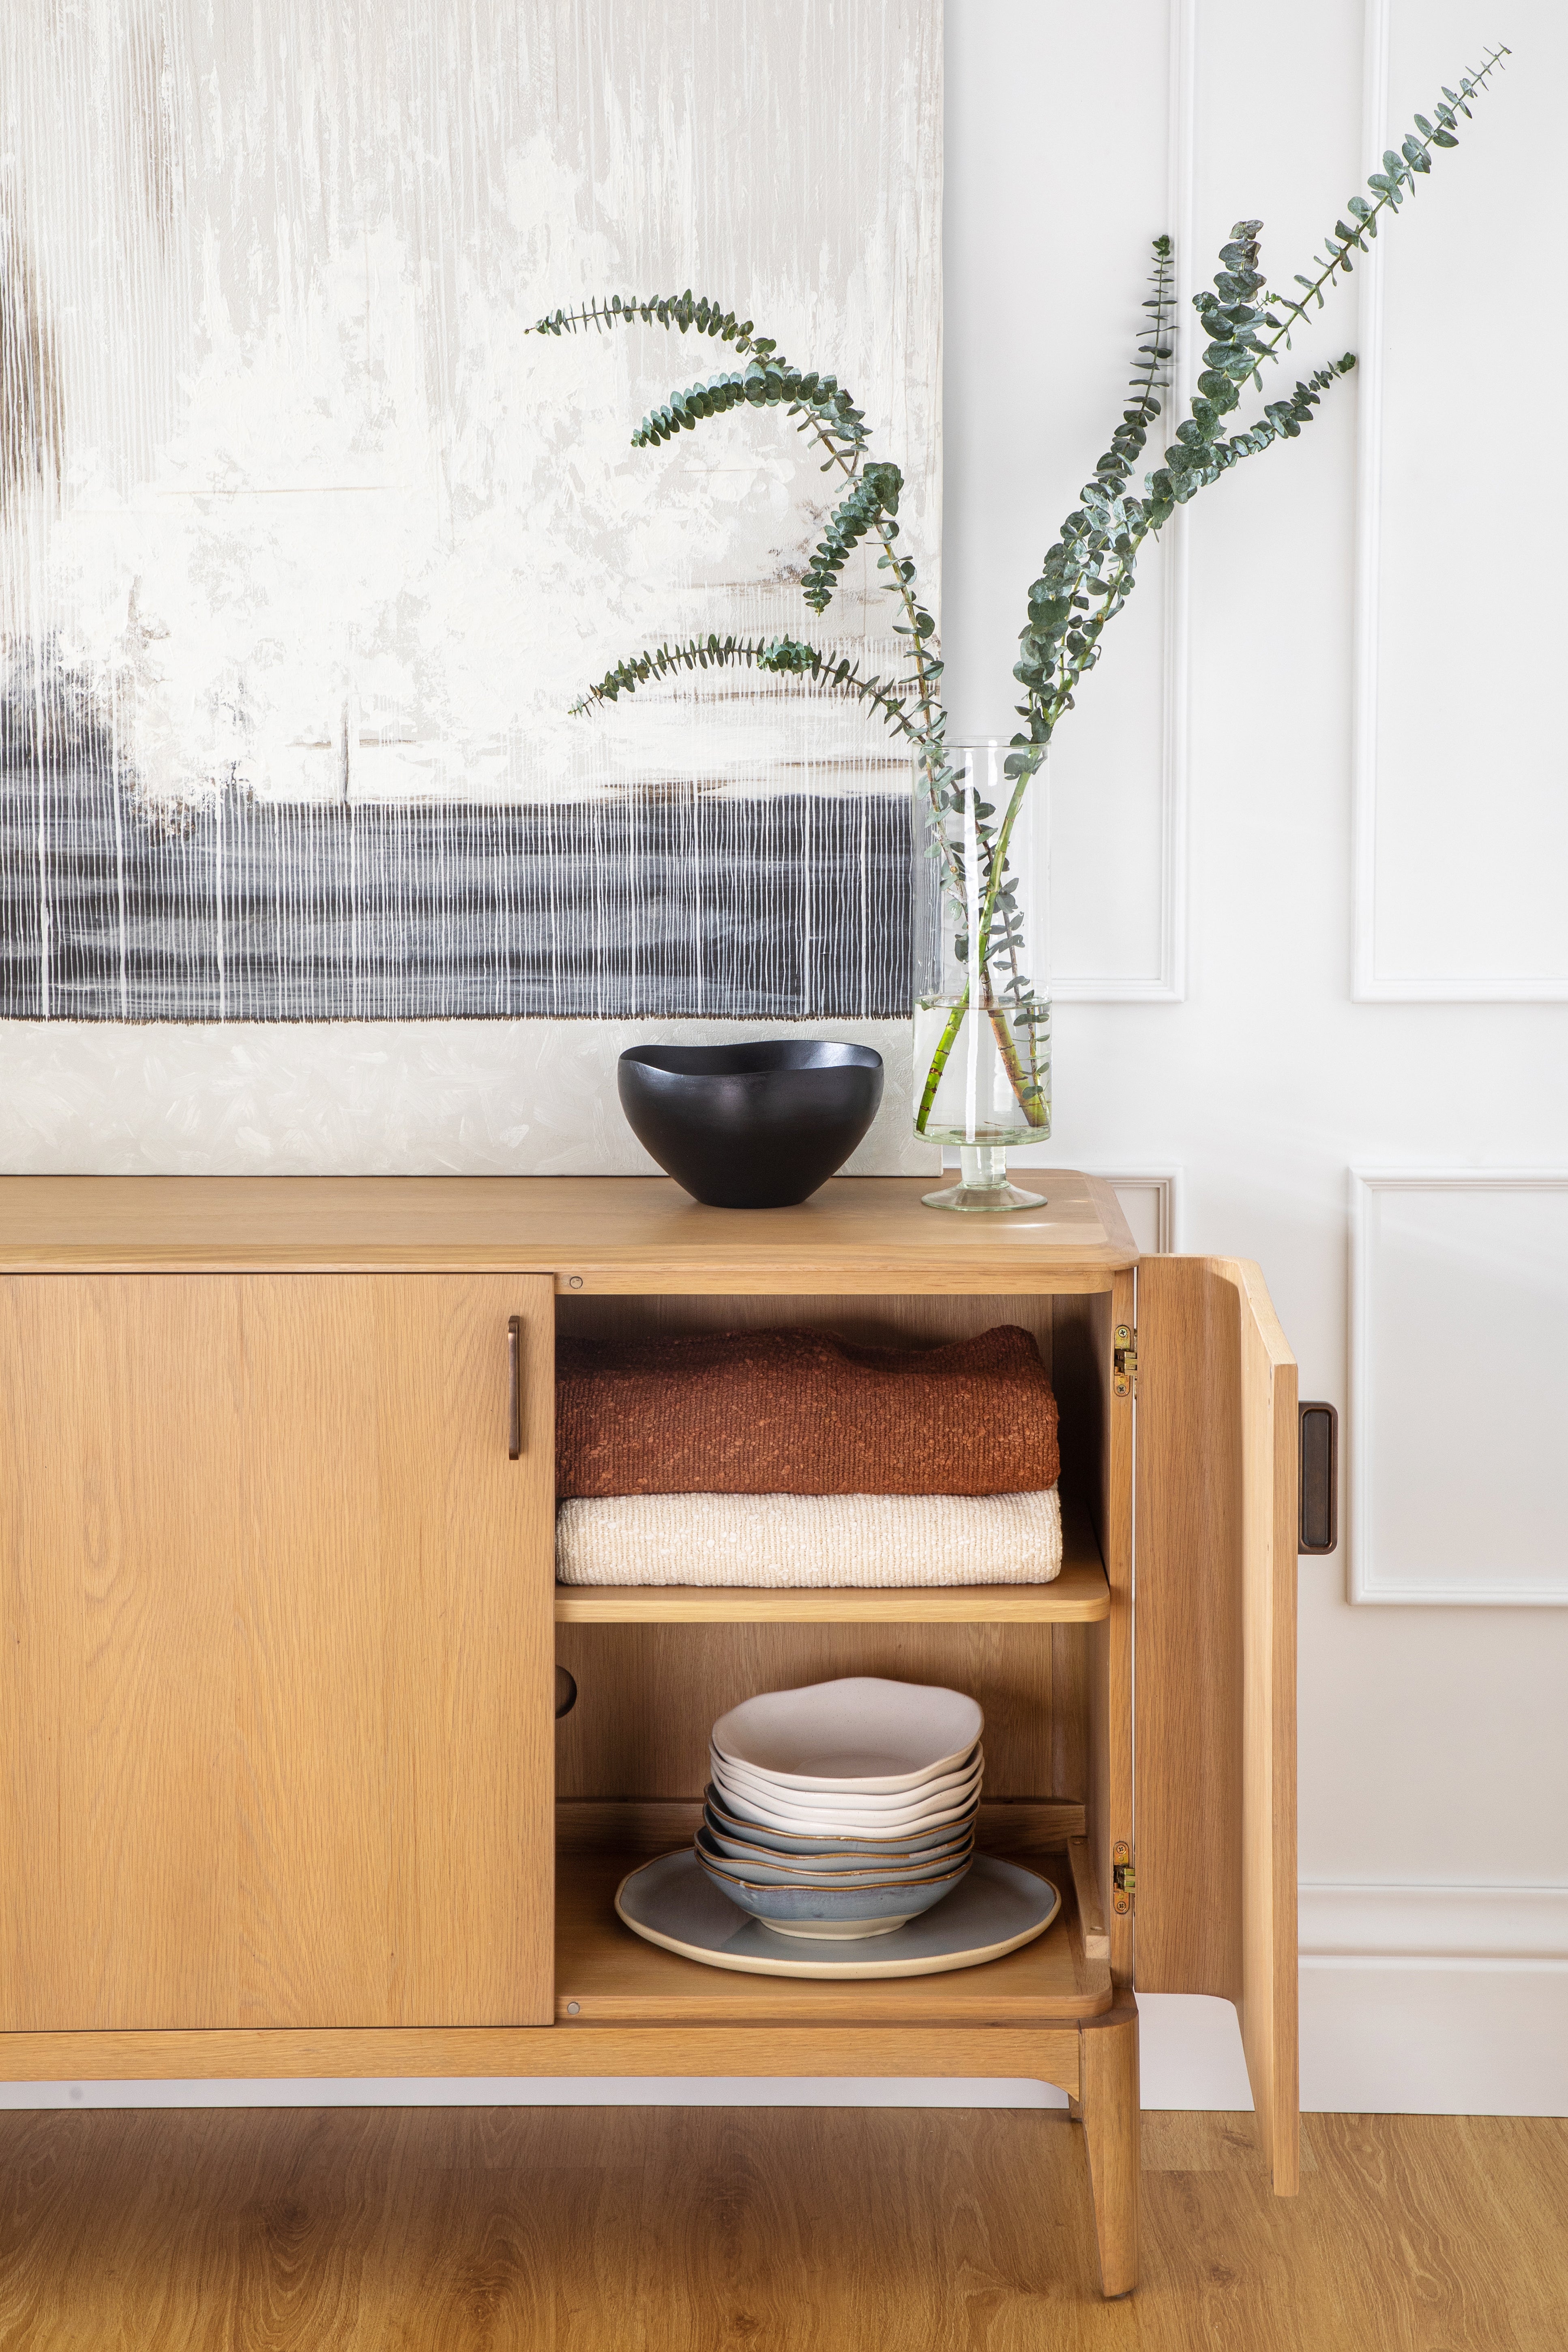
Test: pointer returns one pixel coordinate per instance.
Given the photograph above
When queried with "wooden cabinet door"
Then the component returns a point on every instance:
(276, 1699)
(1215, 1663)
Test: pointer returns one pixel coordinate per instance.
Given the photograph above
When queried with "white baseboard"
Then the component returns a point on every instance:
(1434, 1922)
(1400, 2035)
(1435, 2000)
(1426, 2001)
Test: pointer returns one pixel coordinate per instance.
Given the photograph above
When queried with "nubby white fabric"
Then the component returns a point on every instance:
(808, 1541)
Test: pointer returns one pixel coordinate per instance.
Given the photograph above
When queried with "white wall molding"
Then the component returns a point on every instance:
(1161, 1188)
(1168, 985)
(1441, 1925)
(1368, 984)
(1366, 1584)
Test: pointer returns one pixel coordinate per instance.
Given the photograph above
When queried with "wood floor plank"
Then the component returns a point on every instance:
(724, 2230)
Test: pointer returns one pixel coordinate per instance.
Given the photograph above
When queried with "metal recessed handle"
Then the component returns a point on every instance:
(514, 1387)
(1319, 1511)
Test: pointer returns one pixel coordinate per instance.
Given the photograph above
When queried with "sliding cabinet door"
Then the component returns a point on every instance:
(276, 1730)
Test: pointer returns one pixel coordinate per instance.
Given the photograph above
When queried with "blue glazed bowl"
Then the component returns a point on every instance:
(832, 1911)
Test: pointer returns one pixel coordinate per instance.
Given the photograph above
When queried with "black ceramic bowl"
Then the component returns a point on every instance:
(751, 1126)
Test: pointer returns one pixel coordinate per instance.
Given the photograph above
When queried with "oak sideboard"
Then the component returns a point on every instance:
(282, 1790)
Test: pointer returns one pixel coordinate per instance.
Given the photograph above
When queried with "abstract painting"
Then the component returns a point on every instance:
(308, 544)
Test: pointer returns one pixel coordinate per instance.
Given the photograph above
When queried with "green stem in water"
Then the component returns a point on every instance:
(1025, 1084)
(939, 1060)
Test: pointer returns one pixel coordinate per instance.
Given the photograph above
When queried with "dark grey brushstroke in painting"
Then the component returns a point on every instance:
(781, 907)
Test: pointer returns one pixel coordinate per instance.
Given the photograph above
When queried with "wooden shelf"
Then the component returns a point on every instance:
(605, 1975)
(1079, 1596)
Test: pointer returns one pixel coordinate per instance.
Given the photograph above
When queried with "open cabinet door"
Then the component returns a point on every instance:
(1215, 1644)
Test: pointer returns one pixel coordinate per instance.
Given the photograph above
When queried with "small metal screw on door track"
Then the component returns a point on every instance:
(1124, 1360)
(1123, 1879)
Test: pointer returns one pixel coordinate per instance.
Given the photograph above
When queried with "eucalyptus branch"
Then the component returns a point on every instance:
(1096, 554)
(776, 657)
(822, 407)
(876, 493)
(1239, 316)
(825, 410)
(1108, 526)
(1094, 561)
(768, 383)
(1390, 186)
(683, 311)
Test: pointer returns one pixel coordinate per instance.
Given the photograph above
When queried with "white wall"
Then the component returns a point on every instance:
(1434, 1741)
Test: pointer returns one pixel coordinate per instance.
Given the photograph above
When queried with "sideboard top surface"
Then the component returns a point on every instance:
(591, 1232)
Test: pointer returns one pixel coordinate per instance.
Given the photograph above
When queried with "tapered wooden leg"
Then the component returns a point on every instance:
(1107, 2093)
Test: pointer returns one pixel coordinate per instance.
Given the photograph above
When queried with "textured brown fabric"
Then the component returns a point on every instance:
(800, 1412)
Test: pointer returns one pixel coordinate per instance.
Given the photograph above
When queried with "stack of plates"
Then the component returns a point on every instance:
(844, 1809)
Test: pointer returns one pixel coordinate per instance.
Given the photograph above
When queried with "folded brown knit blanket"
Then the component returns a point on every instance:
(800, 1412)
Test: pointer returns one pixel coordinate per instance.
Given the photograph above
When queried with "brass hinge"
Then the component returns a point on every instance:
(1124, 1362)
(1123, 1878)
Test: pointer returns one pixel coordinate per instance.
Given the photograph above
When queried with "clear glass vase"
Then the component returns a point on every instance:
(981, 1010)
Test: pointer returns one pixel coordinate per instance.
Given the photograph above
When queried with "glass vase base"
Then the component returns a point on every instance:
(984, 1198)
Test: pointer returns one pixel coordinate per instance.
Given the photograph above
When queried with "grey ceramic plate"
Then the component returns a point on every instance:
(672, 1903)
(761, 1868)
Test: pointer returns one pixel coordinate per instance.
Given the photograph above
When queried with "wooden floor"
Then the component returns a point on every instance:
(650, 2229)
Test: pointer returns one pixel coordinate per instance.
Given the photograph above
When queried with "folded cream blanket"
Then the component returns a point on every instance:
(809, 1539)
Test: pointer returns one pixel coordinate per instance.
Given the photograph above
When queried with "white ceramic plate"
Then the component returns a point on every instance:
(953, 1789)
(889, 1736)
(778, 1790)
(672, 1903)
(934, 1832)
(939, 1828)
(814, 1824)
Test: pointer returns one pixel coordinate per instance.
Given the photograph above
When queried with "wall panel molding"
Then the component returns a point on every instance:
(1168, 983)
(1368, 983)
(1160, 1189)
(1369, 1583)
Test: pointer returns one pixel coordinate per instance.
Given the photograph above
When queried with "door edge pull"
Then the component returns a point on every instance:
(514, 1387)
(1318, 1494)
